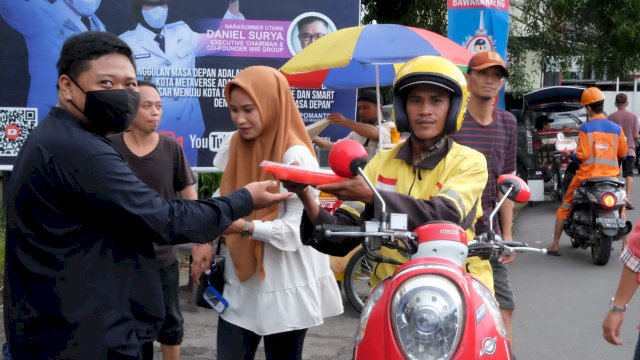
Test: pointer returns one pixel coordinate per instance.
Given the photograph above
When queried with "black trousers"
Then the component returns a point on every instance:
(236, 343)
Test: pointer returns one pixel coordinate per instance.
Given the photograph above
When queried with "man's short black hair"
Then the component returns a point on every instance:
(147, 83)
(541, 120)
(370, 96)
(79, 49)
(309, 20)
(597, 107)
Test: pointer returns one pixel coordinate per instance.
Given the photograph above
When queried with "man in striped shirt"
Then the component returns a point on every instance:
(492, 132)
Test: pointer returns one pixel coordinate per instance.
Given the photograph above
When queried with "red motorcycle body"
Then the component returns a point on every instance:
(477, 335)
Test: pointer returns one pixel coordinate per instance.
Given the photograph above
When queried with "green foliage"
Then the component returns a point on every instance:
(519, 82)
(426, 14)
(208, 183)
(599, 36)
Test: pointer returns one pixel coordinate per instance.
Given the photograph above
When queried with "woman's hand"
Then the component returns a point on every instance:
(294, 187)
(201, 255)
(235, 228)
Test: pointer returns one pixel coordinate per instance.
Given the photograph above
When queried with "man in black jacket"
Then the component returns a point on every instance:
(80, 277)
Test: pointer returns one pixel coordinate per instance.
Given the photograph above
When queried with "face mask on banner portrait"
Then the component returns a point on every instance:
(110, 110)
(156, 16)
(84, 7)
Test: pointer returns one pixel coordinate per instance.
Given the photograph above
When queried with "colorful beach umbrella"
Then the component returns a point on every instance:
(356, 56)
(365, 56)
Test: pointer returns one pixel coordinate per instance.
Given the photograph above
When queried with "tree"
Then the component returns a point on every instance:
(426, 14)
(601, 37)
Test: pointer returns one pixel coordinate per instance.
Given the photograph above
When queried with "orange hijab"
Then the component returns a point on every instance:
(282, 128)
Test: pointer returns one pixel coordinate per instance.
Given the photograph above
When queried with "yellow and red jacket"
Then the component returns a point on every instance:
(442, 187)
(446, 185)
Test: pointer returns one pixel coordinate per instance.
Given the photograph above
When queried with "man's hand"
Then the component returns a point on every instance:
(354, 189)
(507, 259)
(262, 198)
(201, 255)
(337, 119)
(611, 327)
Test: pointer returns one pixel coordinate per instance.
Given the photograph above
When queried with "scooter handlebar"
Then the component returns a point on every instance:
(529, 249)
(511, 247)
(513, 244)
(338, 230)
(500, 248)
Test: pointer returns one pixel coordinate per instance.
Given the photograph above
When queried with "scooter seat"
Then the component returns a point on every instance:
(602, 179)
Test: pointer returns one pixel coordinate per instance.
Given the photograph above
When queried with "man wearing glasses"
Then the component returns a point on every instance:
(311, 29)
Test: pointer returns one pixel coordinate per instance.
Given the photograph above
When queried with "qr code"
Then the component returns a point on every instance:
(15, 126)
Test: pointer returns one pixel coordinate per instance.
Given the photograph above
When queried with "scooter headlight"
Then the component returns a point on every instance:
(373, 298)
(428, 314)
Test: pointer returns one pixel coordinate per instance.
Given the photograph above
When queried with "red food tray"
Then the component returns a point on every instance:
(299, 174)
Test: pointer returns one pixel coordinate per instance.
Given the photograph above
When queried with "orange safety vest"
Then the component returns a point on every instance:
(601, 143)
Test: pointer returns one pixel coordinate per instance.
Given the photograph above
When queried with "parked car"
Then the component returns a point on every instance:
(562, 105)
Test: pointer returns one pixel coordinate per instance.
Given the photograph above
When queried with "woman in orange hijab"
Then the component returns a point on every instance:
(275, 286)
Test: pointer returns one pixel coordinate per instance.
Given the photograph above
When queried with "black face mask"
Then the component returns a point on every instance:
(109, 110)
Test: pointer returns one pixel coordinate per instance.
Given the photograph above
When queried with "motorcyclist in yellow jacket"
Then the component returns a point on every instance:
(428, 177)
(601, 145)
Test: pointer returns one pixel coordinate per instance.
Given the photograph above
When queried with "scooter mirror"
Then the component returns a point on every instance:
(519, 189)
(346, 156)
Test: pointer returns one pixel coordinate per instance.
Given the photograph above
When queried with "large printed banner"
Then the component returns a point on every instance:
(480, 25)
(189, 49)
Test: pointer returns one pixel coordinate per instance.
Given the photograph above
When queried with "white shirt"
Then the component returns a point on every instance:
(385, 135)
(299, 289)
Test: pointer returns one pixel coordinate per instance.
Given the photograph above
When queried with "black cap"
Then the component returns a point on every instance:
(370, 96)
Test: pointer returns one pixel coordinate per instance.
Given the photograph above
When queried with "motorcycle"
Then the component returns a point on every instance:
(430, 308)
(556, 166)
(595, 219)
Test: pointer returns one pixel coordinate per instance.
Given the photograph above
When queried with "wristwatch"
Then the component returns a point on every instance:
(247, 229)
(615, 308)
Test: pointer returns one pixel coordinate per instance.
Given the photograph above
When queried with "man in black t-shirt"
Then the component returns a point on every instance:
(159, 162)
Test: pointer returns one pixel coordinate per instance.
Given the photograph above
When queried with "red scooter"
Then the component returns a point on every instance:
(429, 308)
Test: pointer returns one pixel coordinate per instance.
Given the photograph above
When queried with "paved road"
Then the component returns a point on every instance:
(562, 301)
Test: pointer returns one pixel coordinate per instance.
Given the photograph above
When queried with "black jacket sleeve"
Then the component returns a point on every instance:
(334, 245)
(106, 185)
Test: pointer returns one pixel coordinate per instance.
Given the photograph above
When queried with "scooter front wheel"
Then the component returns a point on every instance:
(357, 279)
